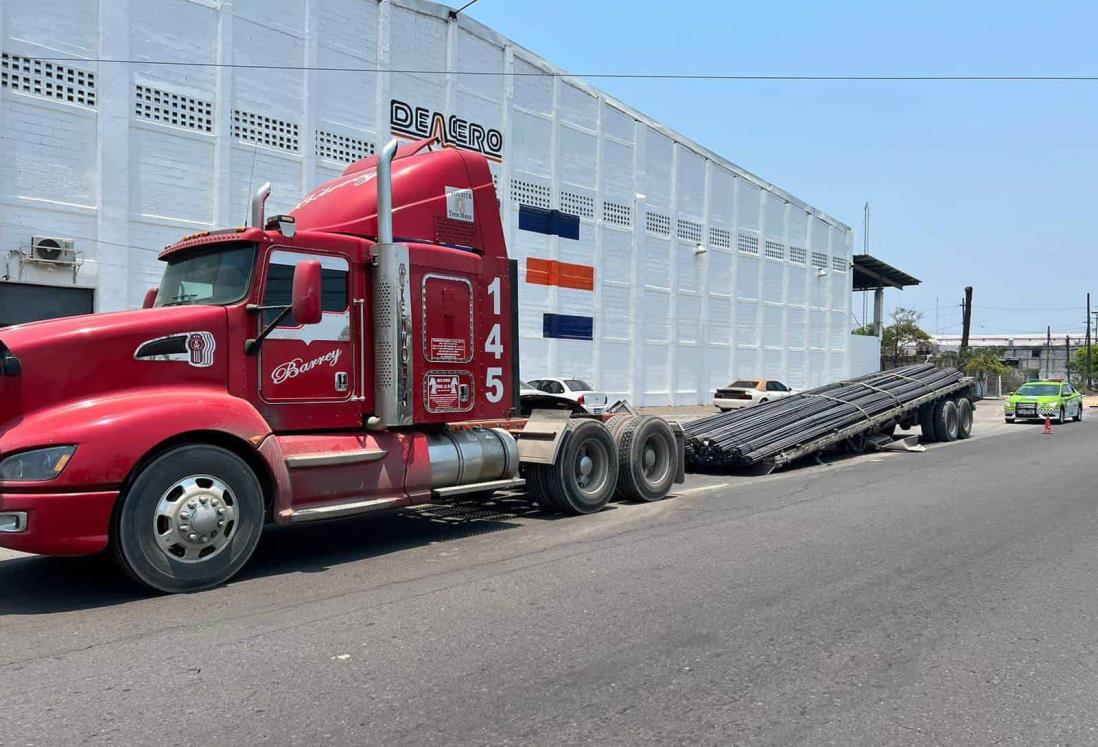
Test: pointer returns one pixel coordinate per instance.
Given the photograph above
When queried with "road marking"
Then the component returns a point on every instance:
(703, 488)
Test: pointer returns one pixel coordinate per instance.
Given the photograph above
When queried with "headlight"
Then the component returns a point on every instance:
(36, 465)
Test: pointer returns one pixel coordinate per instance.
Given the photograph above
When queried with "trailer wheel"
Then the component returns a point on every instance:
(190, 520)
(926, 423)
(945, 420)
(586, 471)
(646, 458)
(964, 418)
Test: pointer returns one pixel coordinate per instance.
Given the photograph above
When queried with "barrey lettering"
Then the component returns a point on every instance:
(296, 367)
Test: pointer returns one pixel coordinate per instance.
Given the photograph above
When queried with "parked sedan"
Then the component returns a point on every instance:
(1057, 400)
(749, 392)
(575, 390)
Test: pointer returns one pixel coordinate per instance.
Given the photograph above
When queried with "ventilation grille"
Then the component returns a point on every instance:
(747, 243)
(775, 250)
(819, 261)
(838, 264)
(47, 79)
(383, 350)
(688, 230)
(342, 148)
(657, 224)
(577, 204)
(721, 237)
(165, 107)
(262, 130)
(530, 193)
(617, 214)
(798, 255)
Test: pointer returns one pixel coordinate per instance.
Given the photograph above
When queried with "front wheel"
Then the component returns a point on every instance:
(190, 520)
(1062, 418)
(1078, 418)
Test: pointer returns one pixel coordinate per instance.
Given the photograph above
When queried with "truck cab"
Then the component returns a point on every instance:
(356, 354)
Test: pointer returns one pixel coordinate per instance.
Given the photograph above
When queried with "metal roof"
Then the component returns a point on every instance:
(871, 273)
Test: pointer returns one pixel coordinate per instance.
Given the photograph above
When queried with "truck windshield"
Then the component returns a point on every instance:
(215, 274)
(1039, 390)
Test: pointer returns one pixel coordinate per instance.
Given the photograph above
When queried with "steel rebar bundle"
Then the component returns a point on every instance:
(741, 438)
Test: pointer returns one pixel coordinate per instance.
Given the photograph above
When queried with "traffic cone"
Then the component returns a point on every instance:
(1048, 426)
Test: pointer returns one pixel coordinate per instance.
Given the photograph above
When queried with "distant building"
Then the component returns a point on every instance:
(1029, 354)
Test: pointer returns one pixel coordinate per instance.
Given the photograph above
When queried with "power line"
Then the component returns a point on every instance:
(454, 13)
(634, 76)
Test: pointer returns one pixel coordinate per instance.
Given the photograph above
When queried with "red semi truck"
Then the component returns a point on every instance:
(301, 368)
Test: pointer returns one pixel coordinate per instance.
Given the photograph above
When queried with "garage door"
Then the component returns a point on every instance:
(21, 303)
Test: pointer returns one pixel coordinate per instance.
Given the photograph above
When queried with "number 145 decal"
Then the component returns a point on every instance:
(493, 384)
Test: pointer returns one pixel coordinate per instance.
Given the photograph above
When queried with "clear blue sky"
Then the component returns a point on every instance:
(992, 185)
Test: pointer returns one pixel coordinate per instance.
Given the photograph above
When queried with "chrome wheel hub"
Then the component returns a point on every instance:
(591, 467)
(195, 519)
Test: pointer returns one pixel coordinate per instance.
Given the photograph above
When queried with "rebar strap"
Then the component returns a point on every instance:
(860, 409)
(908, 378)
(896, 399)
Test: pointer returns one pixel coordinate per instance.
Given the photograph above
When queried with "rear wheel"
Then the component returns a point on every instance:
(646, 458)
(585, 474)
(926, 423)
(190, 521)
(964, 418)
(945, 420)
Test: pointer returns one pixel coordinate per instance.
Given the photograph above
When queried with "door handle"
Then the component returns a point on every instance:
(341, 381)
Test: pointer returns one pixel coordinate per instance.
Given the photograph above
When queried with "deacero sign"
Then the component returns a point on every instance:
(421, 122)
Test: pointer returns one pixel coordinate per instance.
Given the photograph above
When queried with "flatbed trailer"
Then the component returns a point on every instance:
(897, 415)
(778, 433)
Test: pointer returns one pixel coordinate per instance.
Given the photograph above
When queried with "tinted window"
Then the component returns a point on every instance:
(216, 274)
(576, 385)
(743, 384)
(775, 386)
(1068, 389)
(1039, 390)
(279, 291)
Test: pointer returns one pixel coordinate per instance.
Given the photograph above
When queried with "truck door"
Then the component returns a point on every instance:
(306, 373)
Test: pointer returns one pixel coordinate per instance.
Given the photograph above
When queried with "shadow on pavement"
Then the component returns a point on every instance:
(43, 585)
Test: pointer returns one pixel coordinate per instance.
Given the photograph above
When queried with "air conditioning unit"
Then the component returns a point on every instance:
(52, 249)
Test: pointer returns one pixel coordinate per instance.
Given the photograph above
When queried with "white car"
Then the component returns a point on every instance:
(749, 392)
(574, 389)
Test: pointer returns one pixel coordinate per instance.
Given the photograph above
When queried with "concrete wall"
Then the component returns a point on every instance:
(130, 157)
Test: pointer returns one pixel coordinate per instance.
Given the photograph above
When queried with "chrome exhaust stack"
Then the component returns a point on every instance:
(392, 307)
(259, 206)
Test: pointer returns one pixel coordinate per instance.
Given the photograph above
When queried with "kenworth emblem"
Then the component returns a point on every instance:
(195, 348)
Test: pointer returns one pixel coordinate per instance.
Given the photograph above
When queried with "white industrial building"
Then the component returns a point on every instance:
(703, 272)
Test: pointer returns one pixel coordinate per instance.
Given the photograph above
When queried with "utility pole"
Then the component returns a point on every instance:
(1067, 358)
(966, 307)
(1048, 353)
(1088, 343)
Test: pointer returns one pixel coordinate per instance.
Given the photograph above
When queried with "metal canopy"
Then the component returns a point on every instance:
(871, 273)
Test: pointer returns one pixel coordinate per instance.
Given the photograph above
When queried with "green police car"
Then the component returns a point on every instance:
(1057, 400)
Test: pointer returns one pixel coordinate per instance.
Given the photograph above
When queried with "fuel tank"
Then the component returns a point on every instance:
(478, 455)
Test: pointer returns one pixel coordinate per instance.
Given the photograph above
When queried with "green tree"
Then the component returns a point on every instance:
(984, 363)
(902, 333)
(1077, 366)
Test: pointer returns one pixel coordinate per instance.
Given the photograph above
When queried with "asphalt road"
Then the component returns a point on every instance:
(938, 598)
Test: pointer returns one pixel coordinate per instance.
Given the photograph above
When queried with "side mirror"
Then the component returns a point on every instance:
(306, 293)
(150, 298)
